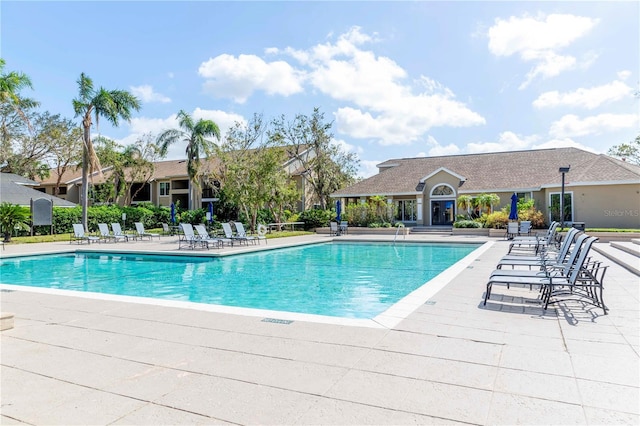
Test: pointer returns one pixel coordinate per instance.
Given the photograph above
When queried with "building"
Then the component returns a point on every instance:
(15, 189)
(600, 191)
(169, 183)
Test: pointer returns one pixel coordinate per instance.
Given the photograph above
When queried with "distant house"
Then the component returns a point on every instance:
(16, 189)
(169, 183)
(600, 191)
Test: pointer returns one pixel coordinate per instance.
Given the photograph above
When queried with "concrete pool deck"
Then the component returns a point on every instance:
(77, 360)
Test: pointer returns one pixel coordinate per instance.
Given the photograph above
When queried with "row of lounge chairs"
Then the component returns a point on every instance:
(198, 237)
(561, 271)
(105, 235)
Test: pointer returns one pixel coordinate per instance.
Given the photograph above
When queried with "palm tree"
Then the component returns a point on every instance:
(12, 216)
(110, 104)
(465, 202)
(10, 86)
(195, 134)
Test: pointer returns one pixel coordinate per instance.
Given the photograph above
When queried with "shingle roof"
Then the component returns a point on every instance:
(14, 191)
(497, 172)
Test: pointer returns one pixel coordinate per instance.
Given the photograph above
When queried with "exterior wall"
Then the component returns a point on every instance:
(604, 206)
(440, 178)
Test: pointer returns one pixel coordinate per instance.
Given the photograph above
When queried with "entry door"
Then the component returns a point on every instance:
(442, 212)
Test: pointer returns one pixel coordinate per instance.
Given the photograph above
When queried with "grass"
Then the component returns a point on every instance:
(66, 237)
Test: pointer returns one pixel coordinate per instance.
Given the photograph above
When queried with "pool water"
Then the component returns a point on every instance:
(353, 280)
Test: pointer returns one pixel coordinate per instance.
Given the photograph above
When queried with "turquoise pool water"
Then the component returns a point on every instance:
(354, 280)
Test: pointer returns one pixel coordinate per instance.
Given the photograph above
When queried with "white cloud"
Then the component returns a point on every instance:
(147, 94)
(368, 168)
(571, 125)
(507, 141)
(347, 147)
(435, 149)
(237, 78)
(585, 98)
(562, 143)
(141, 125)
(538, 40)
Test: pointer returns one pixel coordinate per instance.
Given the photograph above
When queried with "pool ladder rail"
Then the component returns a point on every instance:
(400, 225)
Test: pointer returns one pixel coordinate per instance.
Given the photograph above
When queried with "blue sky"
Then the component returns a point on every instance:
(398, 79)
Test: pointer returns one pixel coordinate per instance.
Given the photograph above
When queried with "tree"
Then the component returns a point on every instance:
(12, 216)
(465, 202)
(194, 134)
(627, 151)
(66, 148)
(112, 105)
(326, 166)
(251, 171)
(10, 86)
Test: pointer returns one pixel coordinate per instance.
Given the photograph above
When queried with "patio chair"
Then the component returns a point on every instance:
(512, 230)
(165, 229)
(542, 257)
(334, 229)
(117, 231)
(525, 228)
(344, 227)
(535, 243)
(142, 233)
(241, 233)
(204, 236)
(552, 280)
(106, 235)
(228, 233)
(79, 236)
(189, 238)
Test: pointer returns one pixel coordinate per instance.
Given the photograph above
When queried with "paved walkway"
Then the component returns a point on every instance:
(74, 360)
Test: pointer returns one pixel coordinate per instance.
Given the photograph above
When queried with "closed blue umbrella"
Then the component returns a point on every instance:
(338, 211)
(210, 211)
(173, 213)
(513, 214)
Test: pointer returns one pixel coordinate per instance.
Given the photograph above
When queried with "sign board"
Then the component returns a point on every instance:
(41, 212)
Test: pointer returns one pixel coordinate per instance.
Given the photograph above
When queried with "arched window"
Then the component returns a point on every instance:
(443, 190)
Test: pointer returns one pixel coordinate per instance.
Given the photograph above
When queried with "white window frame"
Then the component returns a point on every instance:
(559, 194)
(160, 184)
(452, 195)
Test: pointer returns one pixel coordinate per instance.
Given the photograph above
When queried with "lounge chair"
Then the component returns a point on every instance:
(540, 259)
(241, 233)
(189, 238)
(334, 229)
(106, 235)
(79, 236)
(204, 236)
(535, 243)
(117, 232)
(228, 233)
(525, 228)
(344, 227)
(142, 233)
(551, 280)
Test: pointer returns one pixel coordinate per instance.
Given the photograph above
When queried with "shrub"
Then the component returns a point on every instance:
(194, 217)
(467, 224)
(535, 216)
(316, 218)
(496, 220)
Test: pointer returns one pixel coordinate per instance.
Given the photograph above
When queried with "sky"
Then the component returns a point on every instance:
(396, 79)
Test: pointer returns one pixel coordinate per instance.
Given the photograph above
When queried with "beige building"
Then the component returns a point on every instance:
(600, 191)
(169, 183)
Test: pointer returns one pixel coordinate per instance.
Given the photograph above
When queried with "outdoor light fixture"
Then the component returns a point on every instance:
(562, 170)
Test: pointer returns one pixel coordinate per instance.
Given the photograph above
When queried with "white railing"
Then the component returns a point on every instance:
(400, 225)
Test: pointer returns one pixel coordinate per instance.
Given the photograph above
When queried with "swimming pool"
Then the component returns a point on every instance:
(350, 280)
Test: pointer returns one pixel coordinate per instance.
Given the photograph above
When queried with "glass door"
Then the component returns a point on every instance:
(442, 212)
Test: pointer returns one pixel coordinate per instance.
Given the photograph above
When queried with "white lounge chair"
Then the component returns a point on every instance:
(204, 236)
(105, 234)
(117, 231)
(241, 233)
(79, 236)
(189, 238)
(228, 233)
(142, 233)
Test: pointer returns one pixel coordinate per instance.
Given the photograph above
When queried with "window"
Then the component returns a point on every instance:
(140, 192)
(406, 211)
(165, 187)
(523, 196)
(554, 207)
(62, 190)
(442, 190)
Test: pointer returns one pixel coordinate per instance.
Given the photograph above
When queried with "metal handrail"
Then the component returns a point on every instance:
(400, 225)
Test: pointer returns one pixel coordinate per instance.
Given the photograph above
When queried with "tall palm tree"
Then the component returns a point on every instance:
(11, 84)
(113, 105)
(195, 134)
